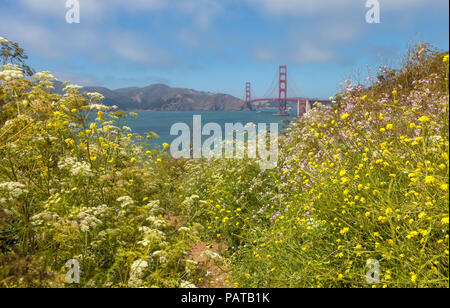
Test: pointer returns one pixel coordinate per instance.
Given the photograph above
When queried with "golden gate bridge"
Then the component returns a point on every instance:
(282, 90)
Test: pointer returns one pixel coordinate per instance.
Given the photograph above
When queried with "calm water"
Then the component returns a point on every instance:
(160, 122)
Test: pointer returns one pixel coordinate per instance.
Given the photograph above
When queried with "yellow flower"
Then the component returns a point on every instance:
(429, 179)
(413, 277)
(132, 160)
(394, 92)
(343, 172)
(165, 145)
(444, 187)
(422, 215)
(344, 116)
(389, 126)
(444, 221)
(445, 59)
(343, 231)
(424, 119)
(364, 97)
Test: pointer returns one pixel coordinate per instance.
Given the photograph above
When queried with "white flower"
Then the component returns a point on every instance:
(210, 255)
(44, 75)
(187, 285)
(88, 222)
(11, 72)
(41, 218)
(100, 107)
(72, 87)
(81, 168)
(137, 273)
(157, 222)
(125, 201)
(95, 96)
(162, 255)
(15, 189)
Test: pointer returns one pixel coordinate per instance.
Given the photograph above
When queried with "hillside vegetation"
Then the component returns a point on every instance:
(364, 180)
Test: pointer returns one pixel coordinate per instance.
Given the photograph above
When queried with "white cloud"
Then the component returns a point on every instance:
(263, 54)
(82, 80)
(309, 7)
(308, 53)
(129, 48)
(92, 11)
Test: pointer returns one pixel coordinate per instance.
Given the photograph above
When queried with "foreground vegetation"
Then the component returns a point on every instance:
(364, 180)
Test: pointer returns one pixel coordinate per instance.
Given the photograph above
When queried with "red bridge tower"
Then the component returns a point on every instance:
(282, 90)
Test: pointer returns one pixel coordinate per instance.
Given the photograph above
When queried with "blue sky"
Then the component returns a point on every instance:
(218, 45)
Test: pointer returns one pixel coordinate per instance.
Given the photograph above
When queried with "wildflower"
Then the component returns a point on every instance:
(125, 201)
(344, 230)
(95, 96)
(136, 273)
(389, 126)
(444, 187)
(444, 221)
(81, 168)
(445, 59)
(429, 179)
(132, 160)
(422, 215)
(187, 285)
(413, 277)
(412, 234)
(344, 116)
(342, 173)
(424, 119)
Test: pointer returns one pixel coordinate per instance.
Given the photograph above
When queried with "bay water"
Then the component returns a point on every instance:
(160, 122)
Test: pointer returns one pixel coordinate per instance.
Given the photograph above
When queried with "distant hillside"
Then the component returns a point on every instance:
(163, 97)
